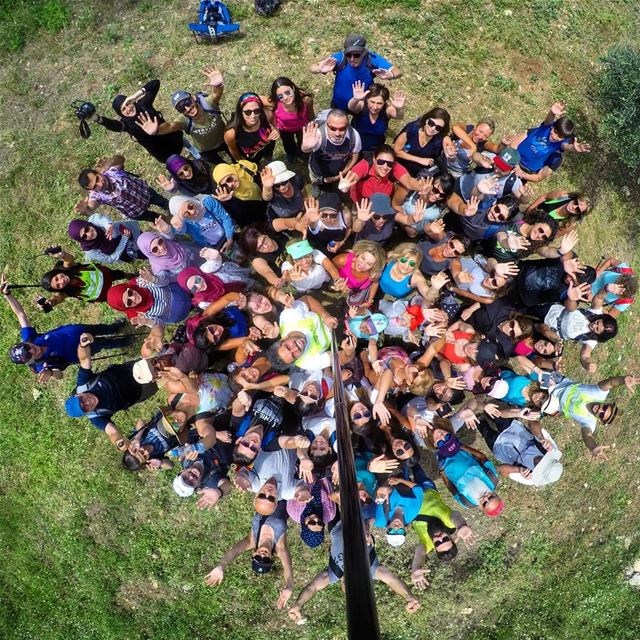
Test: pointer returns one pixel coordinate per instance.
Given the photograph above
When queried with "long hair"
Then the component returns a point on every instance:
(440, 114)
(237, 121)
(72, 289)
(299, 94)
(374, 248)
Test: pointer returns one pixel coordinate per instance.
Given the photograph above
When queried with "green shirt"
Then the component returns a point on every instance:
(432, 505)
(207, 131)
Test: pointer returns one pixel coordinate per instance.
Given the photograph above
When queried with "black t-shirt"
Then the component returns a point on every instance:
(540, 282)
(487, 320)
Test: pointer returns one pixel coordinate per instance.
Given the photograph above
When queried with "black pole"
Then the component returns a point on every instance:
(362, 614)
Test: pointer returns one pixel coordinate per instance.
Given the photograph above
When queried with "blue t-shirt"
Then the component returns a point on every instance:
(537, 151)
(468, 476)
(61, 345)
(516, 385)
(342, 89)
(410, 504)
(611, 277)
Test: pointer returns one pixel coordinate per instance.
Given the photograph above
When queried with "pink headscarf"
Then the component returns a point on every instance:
(174, 260)
(214, 290)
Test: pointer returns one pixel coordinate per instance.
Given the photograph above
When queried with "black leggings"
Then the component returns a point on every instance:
(292, 142)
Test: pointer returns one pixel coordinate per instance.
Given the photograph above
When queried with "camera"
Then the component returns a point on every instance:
(51, 251)
(83, 110)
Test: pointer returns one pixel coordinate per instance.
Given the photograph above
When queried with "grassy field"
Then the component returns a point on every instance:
(92, 552)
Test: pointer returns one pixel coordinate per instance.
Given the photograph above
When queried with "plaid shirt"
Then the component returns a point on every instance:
(295, 508)
(129, 195)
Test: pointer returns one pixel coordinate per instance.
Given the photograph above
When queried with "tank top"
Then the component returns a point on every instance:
(395, 288)
(254, 145)
(372, 134)
(429, 266)
(449, 351)
(347, 272)
(291, 121)
(551, 206)
(432, 149)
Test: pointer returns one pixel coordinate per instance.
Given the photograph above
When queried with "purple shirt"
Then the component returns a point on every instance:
(129, 195)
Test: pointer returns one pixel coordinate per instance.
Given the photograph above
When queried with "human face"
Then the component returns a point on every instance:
(481, 133)
(259, 304)
(578, 207)
(470, 350)
(359, 414)
(195, 284)
(538, 398)
(440, 435)
(442, 541)
(128, 109)
(251, 112)
(230, 182)
(249, 444)
(433, 126)
(401, 449)
(267, 495)
(602, 411)
(97, 182)
(498, 213)
(131, 298)
(337, 128)
(189, 107)
(88, 401)
(375, 104)
(285, 95)
(540, 231)
(442, 391)
(407, 264)
(489, 502)
(35, 351)
(365, 262)
(305, 262)
(192, 475)
(185, 172)
(60, 281)
(330, 217)
(384, 165)
(554, 136)
(597, 326)
(265, 244)
(249, 374)
(494, 282)
(188, 209)
(214, 332)
(158, 247)
(437, 192)
(320, 446)
(354, 58)
(453, 249)
(314, 522)
(292, 347)
(88, 233)
(544, 347)
(511, 328)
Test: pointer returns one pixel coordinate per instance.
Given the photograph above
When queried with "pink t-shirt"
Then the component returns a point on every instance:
(290, 120)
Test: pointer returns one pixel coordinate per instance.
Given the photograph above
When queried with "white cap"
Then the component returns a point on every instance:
(181, 487)
(549, 469)
(499, 389)
(280, 171)
(143, 371)
(396, 539)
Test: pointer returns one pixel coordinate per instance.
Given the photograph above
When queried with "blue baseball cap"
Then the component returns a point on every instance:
(73, 408)
(381, 204)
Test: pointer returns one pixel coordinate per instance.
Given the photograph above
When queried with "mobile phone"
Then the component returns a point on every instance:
(445, 410)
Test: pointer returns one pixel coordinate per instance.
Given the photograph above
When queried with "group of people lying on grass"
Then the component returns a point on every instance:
(451, 279)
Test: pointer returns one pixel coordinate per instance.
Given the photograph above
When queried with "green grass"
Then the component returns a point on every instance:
(91, 552)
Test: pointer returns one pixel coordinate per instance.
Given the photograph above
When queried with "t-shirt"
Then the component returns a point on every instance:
(336, 556)
(620, 303)
(345, 77)
(61, 345)
(541, 282)
(570, 325)
(478, 274)
(537, 150)
(116, 389)
(507, 184)
(468, 476)
(434, 507)
(277, 521)
(574, 399)
(208, 132)
(369, 183)
(410, 500)
(281, 207)
(516, 385)
(517, 445)
(280, 465)
(300, 318)
(215, 463)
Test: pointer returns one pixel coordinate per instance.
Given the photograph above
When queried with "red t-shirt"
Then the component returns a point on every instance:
(370, 184)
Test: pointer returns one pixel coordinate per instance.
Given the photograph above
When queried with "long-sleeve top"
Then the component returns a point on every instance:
(102, 221)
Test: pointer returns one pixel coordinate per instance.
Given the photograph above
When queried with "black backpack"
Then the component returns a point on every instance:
(266, 7)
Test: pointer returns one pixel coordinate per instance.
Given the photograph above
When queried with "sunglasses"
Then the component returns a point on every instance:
(333, 215)
(411, 263)
(444, 440)
(437, 190)
(252, 112)
(128, 298)
(511, 328)
(434, 125)
(364, 414)
(400, 531)
(398, 451)
(315, 522)
(493, 282)
(287, 93)
(498, 211)
(282, 185)
(337, 129)
(197, 282)
(183, 106)
(249, 445)
(381, 163)
(353, 55)
(264, 496)
(84, 233)
(379, 216)
(157, 247)
(439, 543)
(226, 183)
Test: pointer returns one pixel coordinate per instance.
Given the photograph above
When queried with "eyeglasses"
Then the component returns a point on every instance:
(400, 531)
(405, 446)
(287, 93)
(183, 106)
(264, 496)
(128, 298)
(336, 129)
(353, 55)
(434, 125)
(411, 263)
(157, 247)
(252, 112)
(282, 185)
(380, 162)
(332, 215)
(364, 414)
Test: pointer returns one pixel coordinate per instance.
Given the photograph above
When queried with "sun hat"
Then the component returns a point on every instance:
(280, 171)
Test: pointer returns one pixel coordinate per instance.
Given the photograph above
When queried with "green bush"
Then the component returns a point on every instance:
(617, 93)
(19, 20)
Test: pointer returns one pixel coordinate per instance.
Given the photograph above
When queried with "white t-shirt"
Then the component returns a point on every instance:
(298, 318)
(316, 276)
(569, 325)
(280, 465)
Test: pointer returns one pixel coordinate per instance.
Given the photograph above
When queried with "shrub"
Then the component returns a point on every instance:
(617, 93)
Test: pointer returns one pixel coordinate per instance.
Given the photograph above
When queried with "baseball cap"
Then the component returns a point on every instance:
(280, 171)
(178, 96)
(396, 539)
(381, 204)
(19, 353)
(143, 371)
(507, 159)
(181, 487)
(498, 510)
(355, 42)
(261, 564)
(328, 200)
(73, 408)
(299, 249)
(549, 469)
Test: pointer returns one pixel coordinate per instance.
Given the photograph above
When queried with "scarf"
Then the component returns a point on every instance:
(214, 290)
(200, 183)
(175, 204)
(174, 260)
(248, 189)
(99, 243)
(114, 298)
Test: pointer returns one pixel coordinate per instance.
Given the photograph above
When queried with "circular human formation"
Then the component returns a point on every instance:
(448, 273)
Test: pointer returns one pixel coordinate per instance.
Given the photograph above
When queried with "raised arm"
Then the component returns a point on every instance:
(14, 305)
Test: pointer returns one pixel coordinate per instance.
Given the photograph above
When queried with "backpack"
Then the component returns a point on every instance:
(87, 388)
(200, 97)
(266, 8)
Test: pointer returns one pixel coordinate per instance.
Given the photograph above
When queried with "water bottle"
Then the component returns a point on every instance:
(178, 452)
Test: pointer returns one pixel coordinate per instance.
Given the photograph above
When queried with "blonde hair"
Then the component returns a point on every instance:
(374, 248)
(423, 381)
(403, 249)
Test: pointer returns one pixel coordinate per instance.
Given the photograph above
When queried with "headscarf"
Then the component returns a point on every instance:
(114, 298)
(176, 202)
(200, 183)
(99, 243)
(313, 507)
(174, 260)
(215, 287)
(248, 189)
